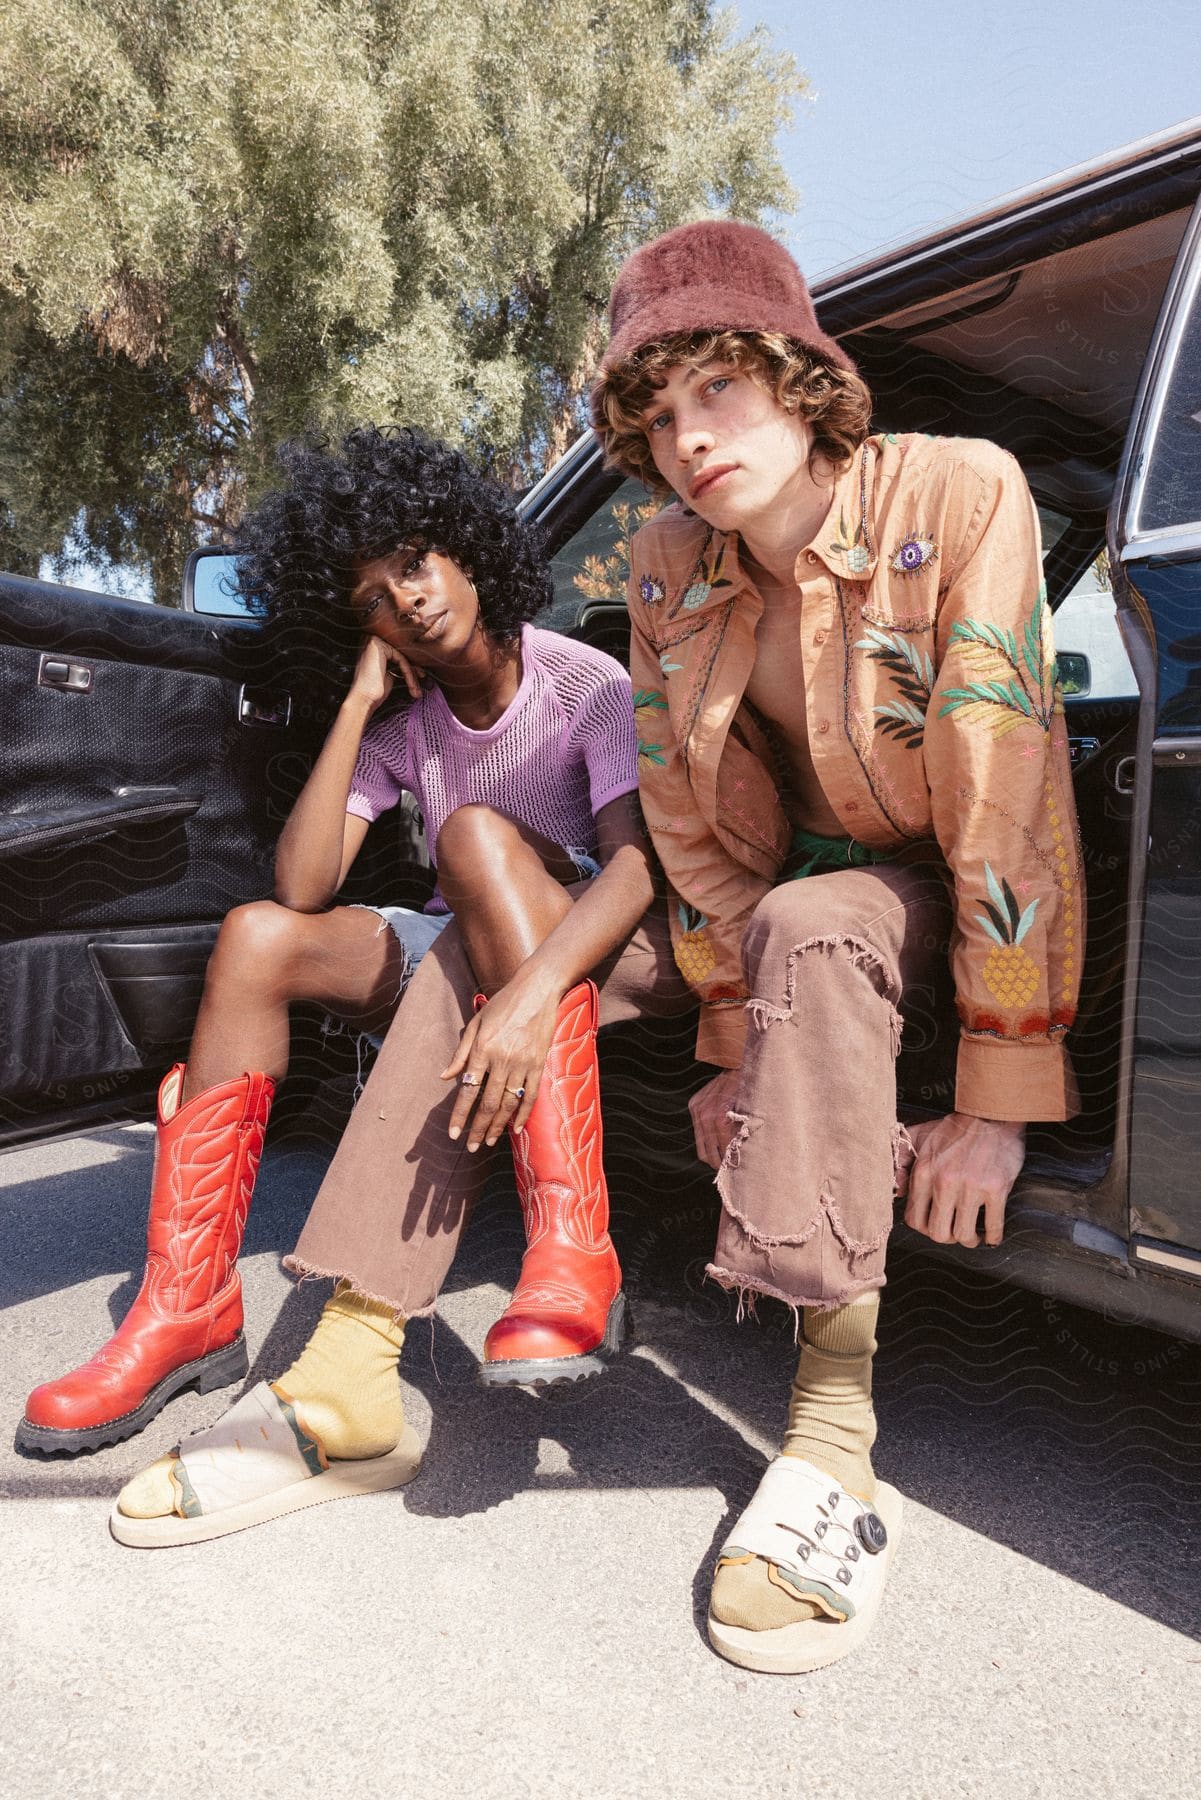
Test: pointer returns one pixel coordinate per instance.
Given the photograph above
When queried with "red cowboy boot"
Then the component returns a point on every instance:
(185, 1327)
(568, 1312)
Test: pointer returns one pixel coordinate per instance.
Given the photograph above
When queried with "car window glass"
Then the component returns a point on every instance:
(595, 564)
(1172, 490)
(1052, 526)
(1086, 626)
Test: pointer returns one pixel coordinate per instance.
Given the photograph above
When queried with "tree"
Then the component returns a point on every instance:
(223, 224)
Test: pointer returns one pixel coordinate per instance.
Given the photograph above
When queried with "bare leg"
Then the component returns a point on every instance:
(504, 884)
(266, 957)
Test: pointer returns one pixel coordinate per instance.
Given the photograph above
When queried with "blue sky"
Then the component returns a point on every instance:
(923, 110)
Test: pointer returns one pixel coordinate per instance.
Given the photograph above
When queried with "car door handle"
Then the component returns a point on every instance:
(58, 672)
(258, 707)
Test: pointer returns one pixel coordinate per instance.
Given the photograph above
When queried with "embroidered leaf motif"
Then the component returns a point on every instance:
(899, 719)
(668, 668)
(711, 574)
(1009, 974)
(1021, 690)
(844, 542)
(913, 673)
(650, 697)
(652, 753)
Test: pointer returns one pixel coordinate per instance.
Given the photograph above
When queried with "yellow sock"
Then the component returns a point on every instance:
(345, 1384)
(830, 1417)
(830, 1424)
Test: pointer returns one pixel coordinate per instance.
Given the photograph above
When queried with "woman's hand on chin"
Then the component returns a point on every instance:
(504, 1049)
(376, 673)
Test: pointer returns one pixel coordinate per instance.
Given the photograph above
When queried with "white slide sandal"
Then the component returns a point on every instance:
(258, 1463)
(828, 1545)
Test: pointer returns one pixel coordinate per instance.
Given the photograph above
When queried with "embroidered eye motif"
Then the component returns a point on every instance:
(913, 554)
(652, 591)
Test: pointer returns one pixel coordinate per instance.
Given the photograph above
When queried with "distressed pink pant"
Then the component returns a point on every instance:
(835, 965)
(808, 1183)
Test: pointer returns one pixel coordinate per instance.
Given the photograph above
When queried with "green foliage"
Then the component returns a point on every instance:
(223, 224)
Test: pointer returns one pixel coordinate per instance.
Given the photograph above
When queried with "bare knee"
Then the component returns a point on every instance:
(259, 943)
(473, 837)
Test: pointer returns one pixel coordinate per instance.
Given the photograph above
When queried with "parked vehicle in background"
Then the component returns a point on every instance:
(152, 754)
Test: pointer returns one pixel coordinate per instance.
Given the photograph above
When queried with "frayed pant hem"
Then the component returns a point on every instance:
(307, 1271)
(749, 1291)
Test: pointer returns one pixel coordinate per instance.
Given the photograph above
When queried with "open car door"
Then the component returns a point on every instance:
(1156, 551)
(149, 759)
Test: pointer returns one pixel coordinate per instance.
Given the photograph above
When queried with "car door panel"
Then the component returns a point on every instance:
(1157, 549)
(140, 798)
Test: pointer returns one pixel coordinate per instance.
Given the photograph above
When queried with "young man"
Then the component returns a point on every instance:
(853, 752)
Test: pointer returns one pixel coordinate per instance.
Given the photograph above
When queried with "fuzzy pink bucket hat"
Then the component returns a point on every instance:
(715, 275)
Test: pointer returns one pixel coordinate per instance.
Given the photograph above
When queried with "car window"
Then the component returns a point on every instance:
(1171, 494)
(595, 563)
(1051, 525)
(1086, 626)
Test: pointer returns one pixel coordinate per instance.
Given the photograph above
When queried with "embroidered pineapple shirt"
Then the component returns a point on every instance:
(931, 713)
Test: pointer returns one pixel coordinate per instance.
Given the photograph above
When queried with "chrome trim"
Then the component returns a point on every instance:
(64, 674)
(1140, 649)
(1147, 413)
(1177, 540)
(256, 707)
(1167, 1256)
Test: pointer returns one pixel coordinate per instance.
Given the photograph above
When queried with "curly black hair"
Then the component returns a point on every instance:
(380, 489)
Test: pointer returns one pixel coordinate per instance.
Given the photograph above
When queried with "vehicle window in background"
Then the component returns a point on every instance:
(1172, 490)
(1051, 527)
(1086, 625)
(595, 563)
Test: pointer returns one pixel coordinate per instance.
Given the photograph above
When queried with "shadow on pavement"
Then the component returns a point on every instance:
(1070, 1439)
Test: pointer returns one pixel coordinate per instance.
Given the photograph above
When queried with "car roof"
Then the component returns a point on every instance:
(1178, 147)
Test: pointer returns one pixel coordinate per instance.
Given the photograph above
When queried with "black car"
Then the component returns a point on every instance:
(151, 754)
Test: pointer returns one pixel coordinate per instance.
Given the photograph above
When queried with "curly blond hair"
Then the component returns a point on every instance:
(835, 402)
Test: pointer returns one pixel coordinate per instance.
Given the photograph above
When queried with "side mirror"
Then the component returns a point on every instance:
(1075, 675)
(208, 586)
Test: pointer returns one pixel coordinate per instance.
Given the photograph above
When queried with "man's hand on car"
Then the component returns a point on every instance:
(963, 1164)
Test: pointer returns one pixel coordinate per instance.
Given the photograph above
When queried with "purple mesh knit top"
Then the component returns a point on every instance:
(563, 748)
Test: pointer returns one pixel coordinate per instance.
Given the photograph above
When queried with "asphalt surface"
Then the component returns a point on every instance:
(528, 1617)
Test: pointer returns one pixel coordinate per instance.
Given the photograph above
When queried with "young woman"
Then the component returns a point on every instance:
(520, 748)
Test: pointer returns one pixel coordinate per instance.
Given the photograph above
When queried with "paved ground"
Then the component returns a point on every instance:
(527, 1618)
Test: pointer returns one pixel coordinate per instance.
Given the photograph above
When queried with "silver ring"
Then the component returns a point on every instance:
(469, 1080)
(520, 1092)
